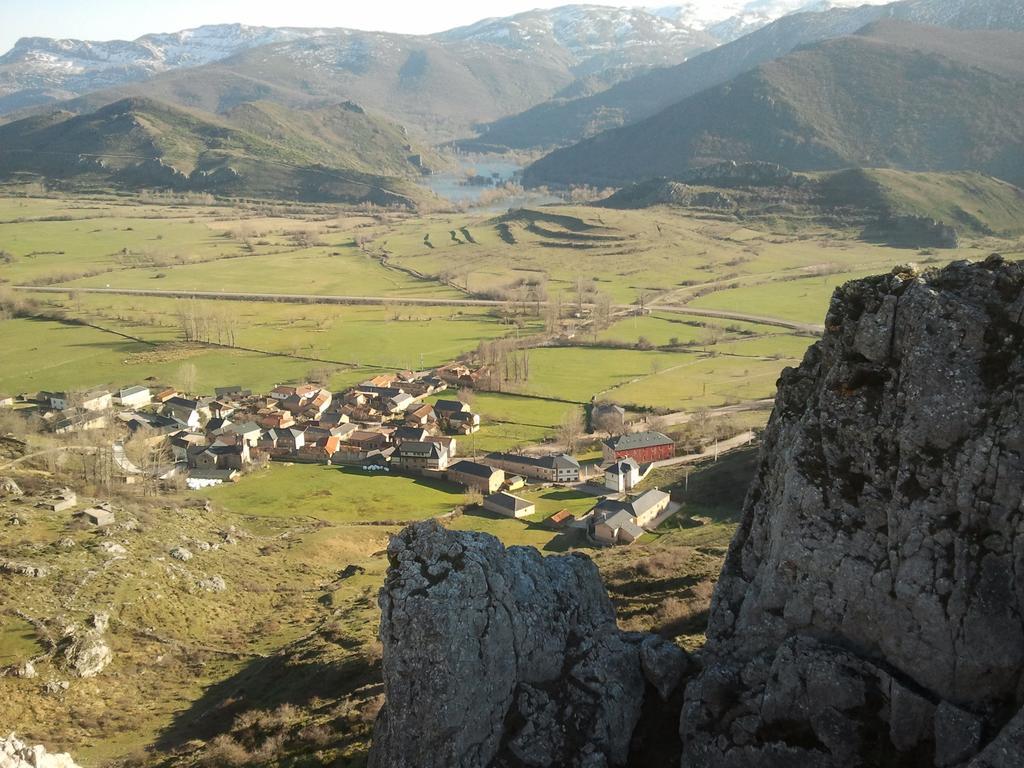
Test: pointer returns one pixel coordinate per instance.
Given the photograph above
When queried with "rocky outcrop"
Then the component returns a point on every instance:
(84, 650)
(869, 612)
(14, 753)
(646, 194)
(24, 569)
(752, 174)
(497, 656)
(909, 231)
(9, 489)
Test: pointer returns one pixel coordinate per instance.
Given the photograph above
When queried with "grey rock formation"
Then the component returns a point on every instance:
(14, 753)
(24, 569)
(9, 489)
(870, 609)
(85, 651)
(870, 612)
(504, 657)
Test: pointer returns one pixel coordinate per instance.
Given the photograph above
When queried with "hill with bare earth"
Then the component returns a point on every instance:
(897, 95)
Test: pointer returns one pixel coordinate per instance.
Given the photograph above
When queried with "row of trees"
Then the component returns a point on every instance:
(504, 362)
(208, 322)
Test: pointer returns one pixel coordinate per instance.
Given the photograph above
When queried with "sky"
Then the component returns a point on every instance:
(128, 19)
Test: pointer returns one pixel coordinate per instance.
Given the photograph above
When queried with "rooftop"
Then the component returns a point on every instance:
(472, 468)
(638, 440)
(509, 502)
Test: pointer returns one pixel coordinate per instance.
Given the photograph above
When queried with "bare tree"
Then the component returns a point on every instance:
(571, 429)
(610, 422)
(149, 452)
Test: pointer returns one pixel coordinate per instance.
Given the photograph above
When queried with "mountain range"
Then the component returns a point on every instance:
(549, 49)
(618, 94)
(895, 95)
(558, 122)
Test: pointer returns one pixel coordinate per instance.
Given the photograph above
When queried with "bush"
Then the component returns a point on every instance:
(225, 751)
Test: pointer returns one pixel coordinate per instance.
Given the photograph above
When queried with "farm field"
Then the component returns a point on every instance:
(658, 257)
(338, 495)
(47, 355)
(391, 337)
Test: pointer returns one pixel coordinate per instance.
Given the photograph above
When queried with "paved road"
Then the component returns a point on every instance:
(305, 298)
(723, 446)
(685, 417)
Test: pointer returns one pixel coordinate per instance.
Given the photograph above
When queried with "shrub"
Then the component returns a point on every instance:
(225, 751)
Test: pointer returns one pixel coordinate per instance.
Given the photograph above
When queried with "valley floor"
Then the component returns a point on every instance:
(600, 305)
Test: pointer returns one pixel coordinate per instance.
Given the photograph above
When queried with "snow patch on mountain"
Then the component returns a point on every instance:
(727, 20)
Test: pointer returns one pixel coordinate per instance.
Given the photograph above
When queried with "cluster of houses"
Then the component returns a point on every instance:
(383, 424)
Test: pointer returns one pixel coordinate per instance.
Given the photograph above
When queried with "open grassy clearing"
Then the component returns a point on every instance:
(511, 421)
(664, 328)
(43, 354)
(390, 336)
(705, 381)
(345, 272)
(338, 495)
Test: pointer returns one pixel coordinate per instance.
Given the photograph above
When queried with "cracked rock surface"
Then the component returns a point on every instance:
(497, 656)
(869, 612)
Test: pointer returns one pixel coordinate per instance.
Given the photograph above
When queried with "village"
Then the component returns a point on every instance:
(164, 438)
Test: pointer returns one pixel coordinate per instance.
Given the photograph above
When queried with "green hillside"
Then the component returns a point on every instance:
(970, 202)
(142, 143)
(857, 101)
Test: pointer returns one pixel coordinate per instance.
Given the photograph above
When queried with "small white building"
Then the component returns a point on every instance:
(622, 476)
(508, 505)
(134, 397)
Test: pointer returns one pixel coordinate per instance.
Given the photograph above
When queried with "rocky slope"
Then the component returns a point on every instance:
(869, 611)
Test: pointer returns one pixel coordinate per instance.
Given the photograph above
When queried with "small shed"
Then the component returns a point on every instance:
(101, 515)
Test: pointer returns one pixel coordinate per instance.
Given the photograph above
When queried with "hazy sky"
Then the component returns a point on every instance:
(128, 19)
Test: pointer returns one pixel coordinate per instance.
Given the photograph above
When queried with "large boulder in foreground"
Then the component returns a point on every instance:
(870, 609)
(502, 656)
(869, 612)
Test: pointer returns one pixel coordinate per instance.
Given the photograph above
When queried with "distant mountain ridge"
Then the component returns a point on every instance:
(39, 70)
(557, 123)
(954, 101)
(577, 40)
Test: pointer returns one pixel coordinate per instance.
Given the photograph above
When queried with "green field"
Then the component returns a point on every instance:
(338, 495)
(665, 256)
(42, 354)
